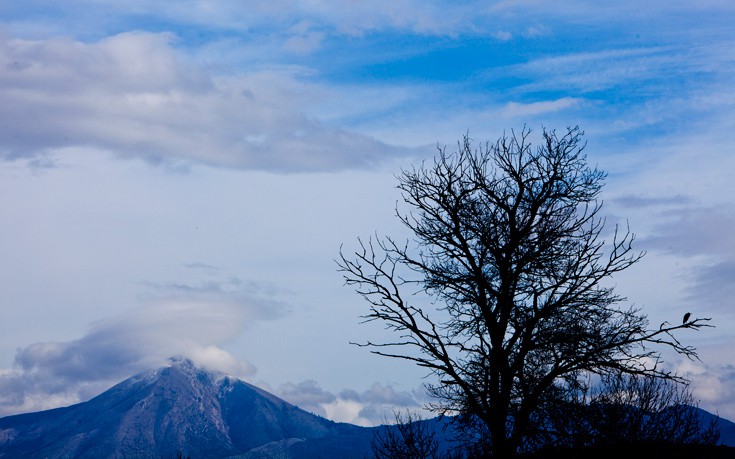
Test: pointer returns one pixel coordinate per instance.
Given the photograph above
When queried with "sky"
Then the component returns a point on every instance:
(177, 178)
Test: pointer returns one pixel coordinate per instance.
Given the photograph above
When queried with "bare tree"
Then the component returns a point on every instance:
(509, 249)
(630, 410)
(407, 438)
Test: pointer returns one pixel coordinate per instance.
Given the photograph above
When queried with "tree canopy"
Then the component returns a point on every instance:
(510, 248)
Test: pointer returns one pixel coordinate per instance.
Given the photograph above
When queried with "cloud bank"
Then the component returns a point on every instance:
(367, 408)
(130, 94)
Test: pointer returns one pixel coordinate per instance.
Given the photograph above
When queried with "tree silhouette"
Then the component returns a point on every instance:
(510, 255)
(407, 438)
(629, 411)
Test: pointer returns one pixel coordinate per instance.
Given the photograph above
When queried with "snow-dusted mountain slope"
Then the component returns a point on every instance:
(180, 409)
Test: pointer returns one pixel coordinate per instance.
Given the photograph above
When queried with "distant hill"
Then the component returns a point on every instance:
(183, 410)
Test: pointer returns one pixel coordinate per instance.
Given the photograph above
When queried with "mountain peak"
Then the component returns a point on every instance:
(190, 368)
(183, 363)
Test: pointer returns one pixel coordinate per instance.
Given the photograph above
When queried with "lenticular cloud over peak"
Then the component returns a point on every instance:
(51, 374)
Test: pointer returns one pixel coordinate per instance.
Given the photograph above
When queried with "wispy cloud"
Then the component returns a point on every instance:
(635, 201)
(599, 70)
(521, 110)
(351, 18)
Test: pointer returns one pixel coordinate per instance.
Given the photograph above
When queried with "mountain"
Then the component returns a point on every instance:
(180, 409)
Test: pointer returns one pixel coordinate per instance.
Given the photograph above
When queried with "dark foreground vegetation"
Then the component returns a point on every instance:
(614, 431)
(637, 451)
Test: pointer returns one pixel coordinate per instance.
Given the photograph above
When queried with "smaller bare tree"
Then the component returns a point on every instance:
(631, 410)
(640, 409)
(408, 438)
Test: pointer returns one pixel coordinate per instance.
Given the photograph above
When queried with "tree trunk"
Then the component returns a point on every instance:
(500, 446)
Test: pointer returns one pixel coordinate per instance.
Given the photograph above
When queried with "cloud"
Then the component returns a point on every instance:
(636, 202)
(597, 70)
(713, 386)
(714, 285)
(131, 94)
(304, 39)
(503, 35)
(436, 17)
(536, 31)
(188, 321)
(698, 240)
(520, 110)
(348, 18)
(693, 231)
(368, 408)
(308, 395)
(637, 89)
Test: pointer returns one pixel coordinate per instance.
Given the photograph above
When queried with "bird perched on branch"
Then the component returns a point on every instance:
(686, 317)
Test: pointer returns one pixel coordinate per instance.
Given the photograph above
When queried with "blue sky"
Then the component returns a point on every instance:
(177, 177)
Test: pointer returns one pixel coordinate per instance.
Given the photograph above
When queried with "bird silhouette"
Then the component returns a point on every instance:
(686, 317)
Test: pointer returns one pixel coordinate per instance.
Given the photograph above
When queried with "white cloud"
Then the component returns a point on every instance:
(521, 110)
(131, 95)
(370, 407)
(342, 410)
(712, 386)
(217, 359)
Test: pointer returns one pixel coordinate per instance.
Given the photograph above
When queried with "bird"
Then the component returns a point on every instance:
(686, 317)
